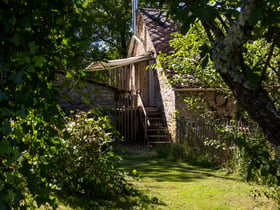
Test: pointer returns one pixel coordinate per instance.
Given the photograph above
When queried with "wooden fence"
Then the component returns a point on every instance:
(215, 139)
(200, 130)
(126, 116)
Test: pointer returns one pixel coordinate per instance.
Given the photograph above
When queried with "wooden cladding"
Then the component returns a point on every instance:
(120, 78)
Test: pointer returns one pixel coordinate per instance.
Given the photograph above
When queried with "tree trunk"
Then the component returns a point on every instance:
(260, 108)
(228, 61)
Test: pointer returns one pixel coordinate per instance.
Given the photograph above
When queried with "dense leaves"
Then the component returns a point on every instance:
(191, 60)
(235, 29)
(35, 41)
(37, 38)
(87, 163)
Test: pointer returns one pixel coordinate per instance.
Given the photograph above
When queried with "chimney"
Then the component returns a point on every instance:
(134, 11)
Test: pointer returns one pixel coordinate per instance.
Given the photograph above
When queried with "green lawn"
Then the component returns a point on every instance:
(164, 184)
(181, 186)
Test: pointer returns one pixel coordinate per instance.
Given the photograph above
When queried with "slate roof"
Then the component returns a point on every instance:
(160, 28)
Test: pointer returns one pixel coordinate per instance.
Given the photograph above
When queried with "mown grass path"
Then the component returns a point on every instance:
(177, 185)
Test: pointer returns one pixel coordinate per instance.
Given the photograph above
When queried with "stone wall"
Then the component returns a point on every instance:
(84, 96)
(165, 100)
(211, 101)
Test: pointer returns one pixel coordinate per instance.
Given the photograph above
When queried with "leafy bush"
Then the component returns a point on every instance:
(251, 156)
(260, 162)
(38, 160)
(87, 163)
(29, 155)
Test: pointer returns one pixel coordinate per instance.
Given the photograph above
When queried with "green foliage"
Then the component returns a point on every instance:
(29, 158)
(246, 57)
(191, 59)
(185, 153)
(87, 163)
(36, 39)
(259, 162)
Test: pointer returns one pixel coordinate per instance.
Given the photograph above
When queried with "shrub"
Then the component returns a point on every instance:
(28, 162)
(87, 164)
(259, 162)
(39, 160)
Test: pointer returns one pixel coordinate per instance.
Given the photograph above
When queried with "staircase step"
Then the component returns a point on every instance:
(156, 124)
(151, 107)
(157, 132)
(152, 110)
(157, 136)
(155, 118)
(156, 129)
(160, 142)
(153, 114)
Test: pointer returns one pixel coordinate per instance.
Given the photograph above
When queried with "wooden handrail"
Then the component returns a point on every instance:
(147, 122)
(143, 108)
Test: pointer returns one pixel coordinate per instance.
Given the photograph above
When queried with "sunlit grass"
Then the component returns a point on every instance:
(181, 186)
(163, 184)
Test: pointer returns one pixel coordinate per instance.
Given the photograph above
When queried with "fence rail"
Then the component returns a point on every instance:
(213, 139)
(198, 129)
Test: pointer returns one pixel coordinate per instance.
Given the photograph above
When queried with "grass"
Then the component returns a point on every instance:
(166, 184)
(177, 185)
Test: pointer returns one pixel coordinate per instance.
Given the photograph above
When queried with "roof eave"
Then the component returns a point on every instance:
(112, 64)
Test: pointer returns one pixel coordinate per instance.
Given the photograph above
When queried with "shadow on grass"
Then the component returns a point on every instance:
(164, 170)
(132, 200)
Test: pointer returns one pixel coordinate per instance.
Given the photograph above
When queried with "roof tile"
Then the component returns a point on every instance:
(160, 28)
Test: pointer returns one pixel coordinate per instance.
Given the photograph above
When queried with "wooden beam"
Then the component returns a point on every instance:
(112, 64)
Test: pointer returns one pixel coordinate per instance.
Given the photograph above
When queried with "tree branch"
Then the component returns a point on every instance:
(208, 32)
(106, 40)
(268, 59)
(223, 23)
(215, 29)
(242, 63)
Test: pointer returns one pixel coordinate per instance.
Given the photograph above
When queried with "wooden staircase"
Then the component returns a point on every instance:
(156, 131)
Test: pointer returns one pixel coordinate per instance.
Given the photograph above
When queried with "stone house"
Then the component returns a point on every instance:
(156, 103)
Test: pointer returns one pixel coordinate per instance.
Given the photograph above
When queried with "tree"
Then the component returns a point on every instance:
(36, 39)
(112, 26)
(231, 26)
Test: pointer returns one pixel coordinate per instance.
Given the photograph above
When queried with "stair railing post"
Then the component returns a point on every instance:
(146, 121)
